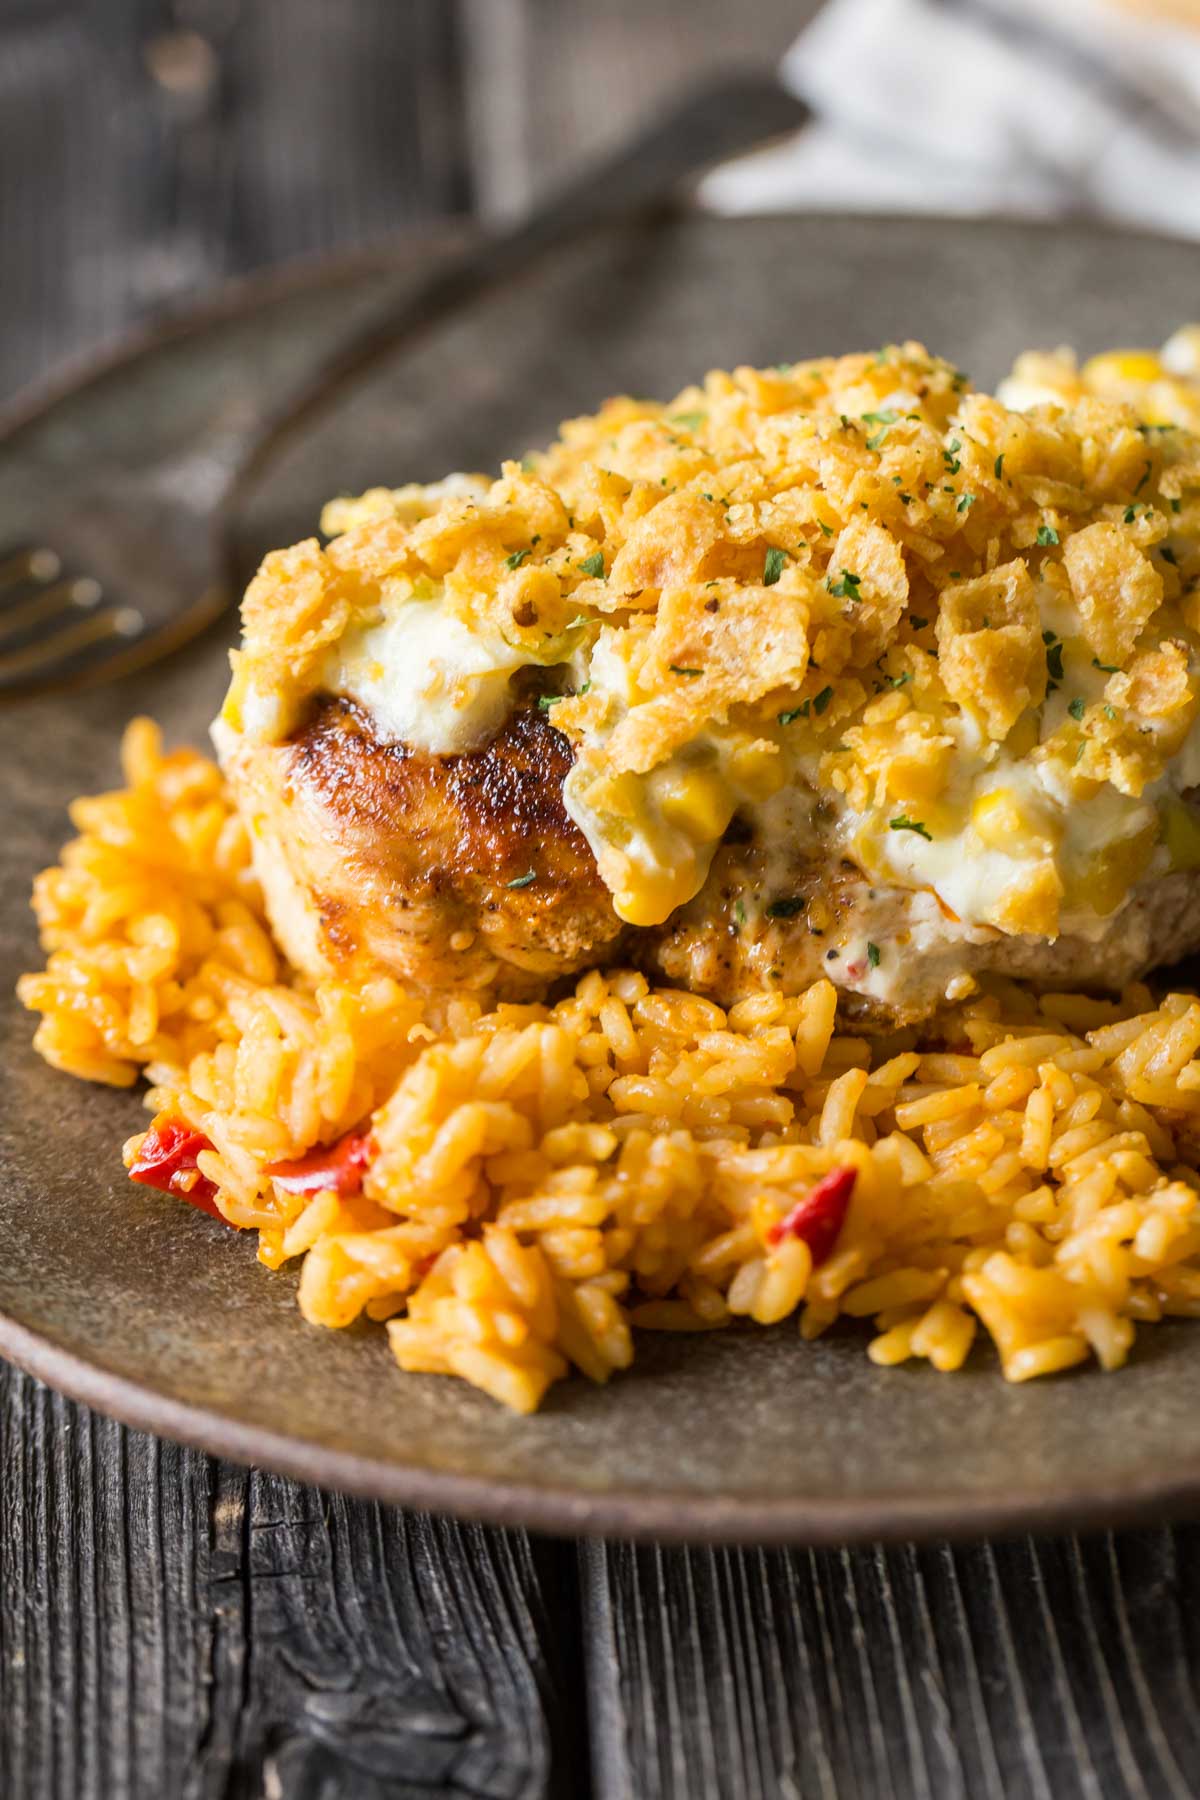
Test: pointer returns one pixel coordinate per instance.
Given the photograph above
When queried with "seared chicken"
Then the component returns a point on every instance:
(838, 670)
(455, 871)
(467, 872)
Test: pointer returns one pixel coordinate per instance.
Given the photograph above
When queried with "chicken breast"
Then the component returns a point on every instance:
(454, 872)
(920, 958)
(839, 670)
(466, 872)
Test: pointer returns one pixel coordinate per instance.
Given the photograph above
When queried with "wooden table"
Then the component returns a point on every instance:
(174, 1625)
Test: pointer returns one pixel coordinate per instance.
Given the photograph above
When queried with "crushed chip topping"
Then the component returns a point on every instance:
(737, 588)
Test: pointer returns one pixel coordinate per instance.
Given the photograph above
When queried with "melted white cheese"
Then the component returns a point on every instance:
(428, 677)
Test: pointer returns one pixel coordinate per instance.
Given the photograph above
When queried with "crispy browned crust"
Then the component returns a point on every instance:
(483, 814)
(422, 853)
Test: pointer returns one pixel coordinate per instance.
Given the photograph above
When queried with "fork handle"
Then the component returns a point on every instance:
(708, 125)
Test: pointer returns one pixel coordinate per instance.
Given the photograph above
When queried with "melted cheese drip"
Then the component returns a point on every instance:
(429, 678)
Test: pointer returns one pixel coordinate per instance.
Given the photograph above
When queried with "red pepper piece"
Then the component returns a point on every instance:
(339, 1166)
(166, 1159)
(818, 1219)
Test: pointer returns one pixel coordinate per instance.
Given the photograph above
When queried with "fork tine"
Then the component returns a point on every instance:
(33, 564)
(83, 592)
(118, 623)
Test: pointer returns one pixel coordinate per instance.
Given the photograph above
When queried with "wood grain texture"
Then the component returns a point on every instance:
(172, 1625)
(1060, 1670)
(554, 82)
(149, 149)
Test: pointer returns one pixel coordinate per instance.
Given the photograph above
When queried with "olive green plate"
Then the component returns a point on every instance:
(147, 1309)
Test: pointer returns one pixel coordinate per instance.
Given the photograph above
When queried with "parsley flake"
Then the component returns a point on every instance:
(885, 421)
(846, 587)
(593, 564)
(774, 566)
(821, 700)
(1077, 707)
(968, 500)
(516, 559)
(739, 913)
(827, 529)
(952, 462)
(898, 681)
(797, 712)
(523, 881)
(546, 701)
(873, 955)
(691, 421)
(1054, 662)
(1108, 668)
(1046, 534)
(904, 823)
(998, 466)
(676, 670)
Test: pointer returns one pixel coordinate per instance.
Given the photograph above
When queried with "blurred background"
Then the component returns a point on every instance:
(150, 149)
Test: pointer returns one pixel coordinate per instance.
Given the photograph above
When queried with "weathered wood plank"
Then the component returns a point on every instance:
(173, 1625)
(143, 159)
(553, 82)
(1057, 1669)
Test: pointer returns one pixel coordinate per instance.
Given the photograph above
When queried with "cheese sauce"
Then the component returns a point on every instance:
(428, 677)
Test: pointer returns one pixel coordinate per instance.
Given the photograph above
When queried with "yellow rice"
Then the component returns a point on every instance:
(547, 1178)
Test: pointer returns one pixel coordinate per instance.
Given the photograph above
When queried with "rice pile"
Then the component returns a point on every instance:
(545, 1178)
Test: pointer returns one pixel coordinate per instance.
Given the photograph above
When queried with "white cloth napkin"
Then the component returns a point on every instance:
(1034, 107)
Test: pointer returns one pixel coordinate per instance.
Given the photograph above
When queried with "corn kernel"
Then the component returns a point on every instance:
(1117, 366)
(1006, 822)
(650, 898)
(919, 773)
(698, 801)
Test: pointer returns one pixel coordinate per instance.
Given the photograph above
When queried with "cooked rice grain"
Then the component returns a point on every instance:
(546, 1177)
